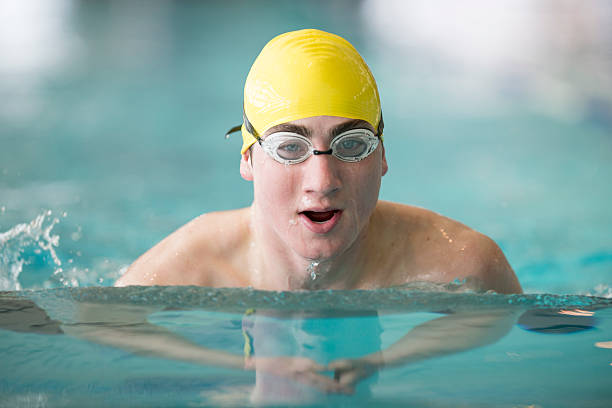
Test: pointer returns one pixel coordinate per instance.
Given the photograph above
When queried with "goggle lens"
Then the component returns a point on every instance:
(292, 148)
(350, 146)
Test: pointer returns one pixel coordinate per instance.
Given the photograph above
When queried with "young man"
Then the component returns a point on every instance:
(313, 149)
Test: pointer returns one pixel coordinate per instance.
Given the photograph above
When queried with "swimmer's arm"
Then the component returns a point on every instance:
(489, 266)
(195, 254)
(463, 330)
(447, 335)
(170, 262)
(127, 328)
(450, 334)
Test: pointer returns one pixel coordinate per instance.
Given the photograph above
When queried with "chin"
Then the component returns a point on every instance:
(318, 249)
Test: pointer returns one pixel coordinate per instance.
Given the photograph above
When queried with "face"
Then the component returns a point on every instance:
(318, 208)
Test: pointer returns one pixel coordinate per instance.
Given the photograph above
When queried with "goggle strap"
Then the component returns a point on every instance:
(381, 125)
(232, 130)
(248, 125)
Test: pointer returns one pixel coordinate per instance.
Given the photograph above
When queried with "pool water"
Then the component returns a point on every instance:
(111, 137)
(550, 358)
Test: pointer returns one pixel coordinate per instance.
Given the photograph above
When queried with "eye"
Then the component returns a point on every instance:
(292, 149)
(351, 146)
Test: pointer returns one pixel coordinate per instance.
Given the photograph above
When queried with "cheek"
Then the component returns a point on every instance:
(274, 186)
(365, 185)
(367, 193)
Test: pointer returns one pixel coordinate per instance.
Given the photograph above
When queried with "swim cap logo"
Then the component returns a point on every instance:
(264, 97)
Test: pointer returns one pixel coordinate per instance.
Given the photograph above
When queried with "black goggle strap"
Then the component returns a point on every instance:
(247, 124)
(232, 130)
(381, 126)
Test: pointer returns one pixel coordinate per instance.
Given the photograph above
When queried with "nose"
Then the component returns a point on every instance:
(321, 175)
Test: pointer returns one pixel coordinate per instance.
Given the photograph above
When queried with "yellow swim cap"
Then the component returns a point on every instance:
(307, 73)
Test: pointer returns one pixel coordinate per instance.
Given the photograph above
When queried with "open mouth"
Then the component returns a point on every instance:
(320, 217)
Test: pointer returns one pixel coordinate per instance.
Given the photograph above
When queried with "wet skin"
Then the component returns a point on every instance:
(319, 185)
(322, 212)
(323, 215)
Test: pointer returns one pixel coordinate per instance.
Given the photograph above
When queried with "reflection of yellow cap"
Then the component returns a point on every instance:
(307, 73)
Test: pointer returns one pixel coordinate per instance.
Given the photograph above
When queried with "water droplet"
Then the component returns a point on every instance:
(312, 268)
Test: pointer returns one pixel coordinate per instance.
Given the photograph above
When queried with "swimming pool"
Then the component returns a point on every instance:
(551, 358)
(113, 138)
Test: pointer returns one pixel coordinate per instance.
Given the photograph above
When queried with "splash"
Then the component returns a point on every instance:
(602, 290)
(36, 236)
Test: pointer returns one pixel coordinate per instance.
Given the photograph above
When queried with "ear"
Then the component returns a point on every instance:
(384, 165)
(246, 166)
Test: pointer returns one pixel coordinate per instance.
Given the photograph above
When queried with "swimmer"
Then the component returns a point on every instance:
(313, 147)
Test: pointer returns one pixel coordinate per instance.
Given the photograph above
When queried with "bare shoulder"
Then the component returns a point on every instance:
(445, 249)
(484, 260)
(204, 252)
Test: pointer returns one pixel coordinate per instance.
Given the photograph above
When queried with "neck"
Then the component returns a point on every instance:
(276, 266)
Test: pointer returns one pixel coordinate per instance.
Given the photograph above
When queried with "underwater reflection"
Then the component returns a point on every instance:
(604, 345)
(557, 321)
(297, 356)
(24, 316)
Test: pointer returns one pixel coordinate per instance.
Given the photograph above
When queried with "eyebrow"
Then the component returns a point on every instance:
(304, 131)
(289, 127)
(351, 124)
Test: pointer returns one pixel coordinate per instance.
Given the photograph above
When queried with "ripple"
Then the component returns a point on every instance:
(237, 300)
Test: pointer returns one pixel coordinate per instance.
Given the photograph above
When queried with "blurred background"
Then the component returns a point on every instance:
(112, 116)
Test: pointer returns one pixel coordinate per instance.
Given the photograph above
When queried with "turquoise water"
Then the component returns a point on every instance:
(111, 137)
(547, 362)
(119, 129)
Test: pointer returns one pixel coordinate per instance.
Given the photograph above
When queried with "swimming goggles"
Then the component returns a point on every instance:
(292, 148)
